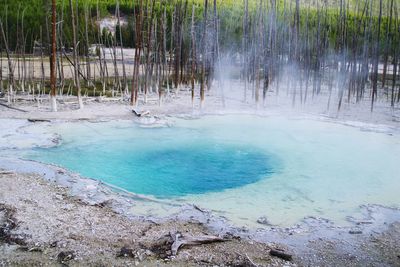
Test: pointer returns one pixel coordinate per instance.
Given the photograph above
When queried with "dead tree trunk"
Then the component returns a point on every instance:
(387, 42)
(75, 55)
(244, 47)
(88, 70)
(376, 59)
(125, 82)
(10, 68)
(193, 54)
(204, 57)
(138, 47)
(53, 57)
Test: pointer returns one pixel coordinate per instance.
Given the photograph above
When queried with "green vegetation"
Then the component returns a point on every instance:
(28, 17)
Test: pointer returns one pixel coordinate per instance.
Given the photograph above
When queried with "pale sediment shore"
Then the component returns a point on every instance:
(49, 215)
(41, 224)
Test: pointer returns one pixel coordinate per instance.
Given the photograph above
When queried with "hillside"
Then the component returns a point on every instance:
(25, 19)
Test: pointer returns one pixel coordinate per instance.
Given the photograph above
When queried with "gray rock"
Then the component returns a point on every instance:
(263, 220)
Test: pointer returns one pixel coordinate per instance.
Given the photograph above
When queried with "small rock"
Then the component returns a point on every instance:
(141, 257)
(280, 254)
(65, 256)
(355, 232)
(263, 220)
(244, 229)
(58, 197)
(364, 222)
(35, 249)
(23, 248)
(126, 252)
(148, 253)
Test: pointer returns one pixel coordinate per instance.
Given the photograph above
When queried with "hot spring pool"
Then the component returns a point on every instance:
(242, 167)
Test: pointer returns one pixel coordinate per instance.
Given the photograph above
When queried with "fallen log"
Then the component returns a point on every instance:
(38, 120)
(7, 106)
(6, 172)
(137, 114)
(168, 245)
(182, 241)
(280, 254)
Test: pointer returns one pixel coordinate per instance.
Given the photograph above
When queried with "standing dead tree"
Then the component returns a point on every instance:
(11, 83)
(138, 49)
(376, 59)
(203, 56)
(75, 55)
(193, 63)
(53, 57)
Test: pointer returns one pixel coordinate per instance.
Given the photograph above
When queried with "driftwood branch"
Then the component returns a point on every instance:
(6, 172)
(182, 241)
(169, 244)
(137, 114)
(280, 254)
(38, 120)
(251, 262)
(79, 72)
(7, 106)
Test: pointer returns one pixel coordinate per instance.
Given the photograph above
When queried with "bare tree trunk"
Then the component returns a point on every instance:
(394, 78)
(43, 75)
(76, 63)
(387, 42)
(100, 51)
(117, 82)
(204, 57)
(193, 55)
(244, 47)
(164, 48)
(23, 78)
(376, 60)
(88, 70)
(10, 68)
(61, 49)
(53, 58)
(148, 51)
(217, 53)
(1, 64)
(17, 43)
(138, 47)
(1, 67)
(125, 83)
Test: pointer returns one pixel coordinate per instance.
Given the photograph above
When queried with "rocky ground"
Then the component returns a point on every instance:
(40, 224)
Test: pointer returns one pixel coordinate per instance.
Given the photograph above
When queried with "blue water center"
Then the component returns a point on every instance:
(159, 162)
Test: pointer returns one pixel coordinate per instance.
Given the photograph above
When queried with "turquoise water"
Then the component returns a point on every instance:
(242, 167)
(160, 162)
